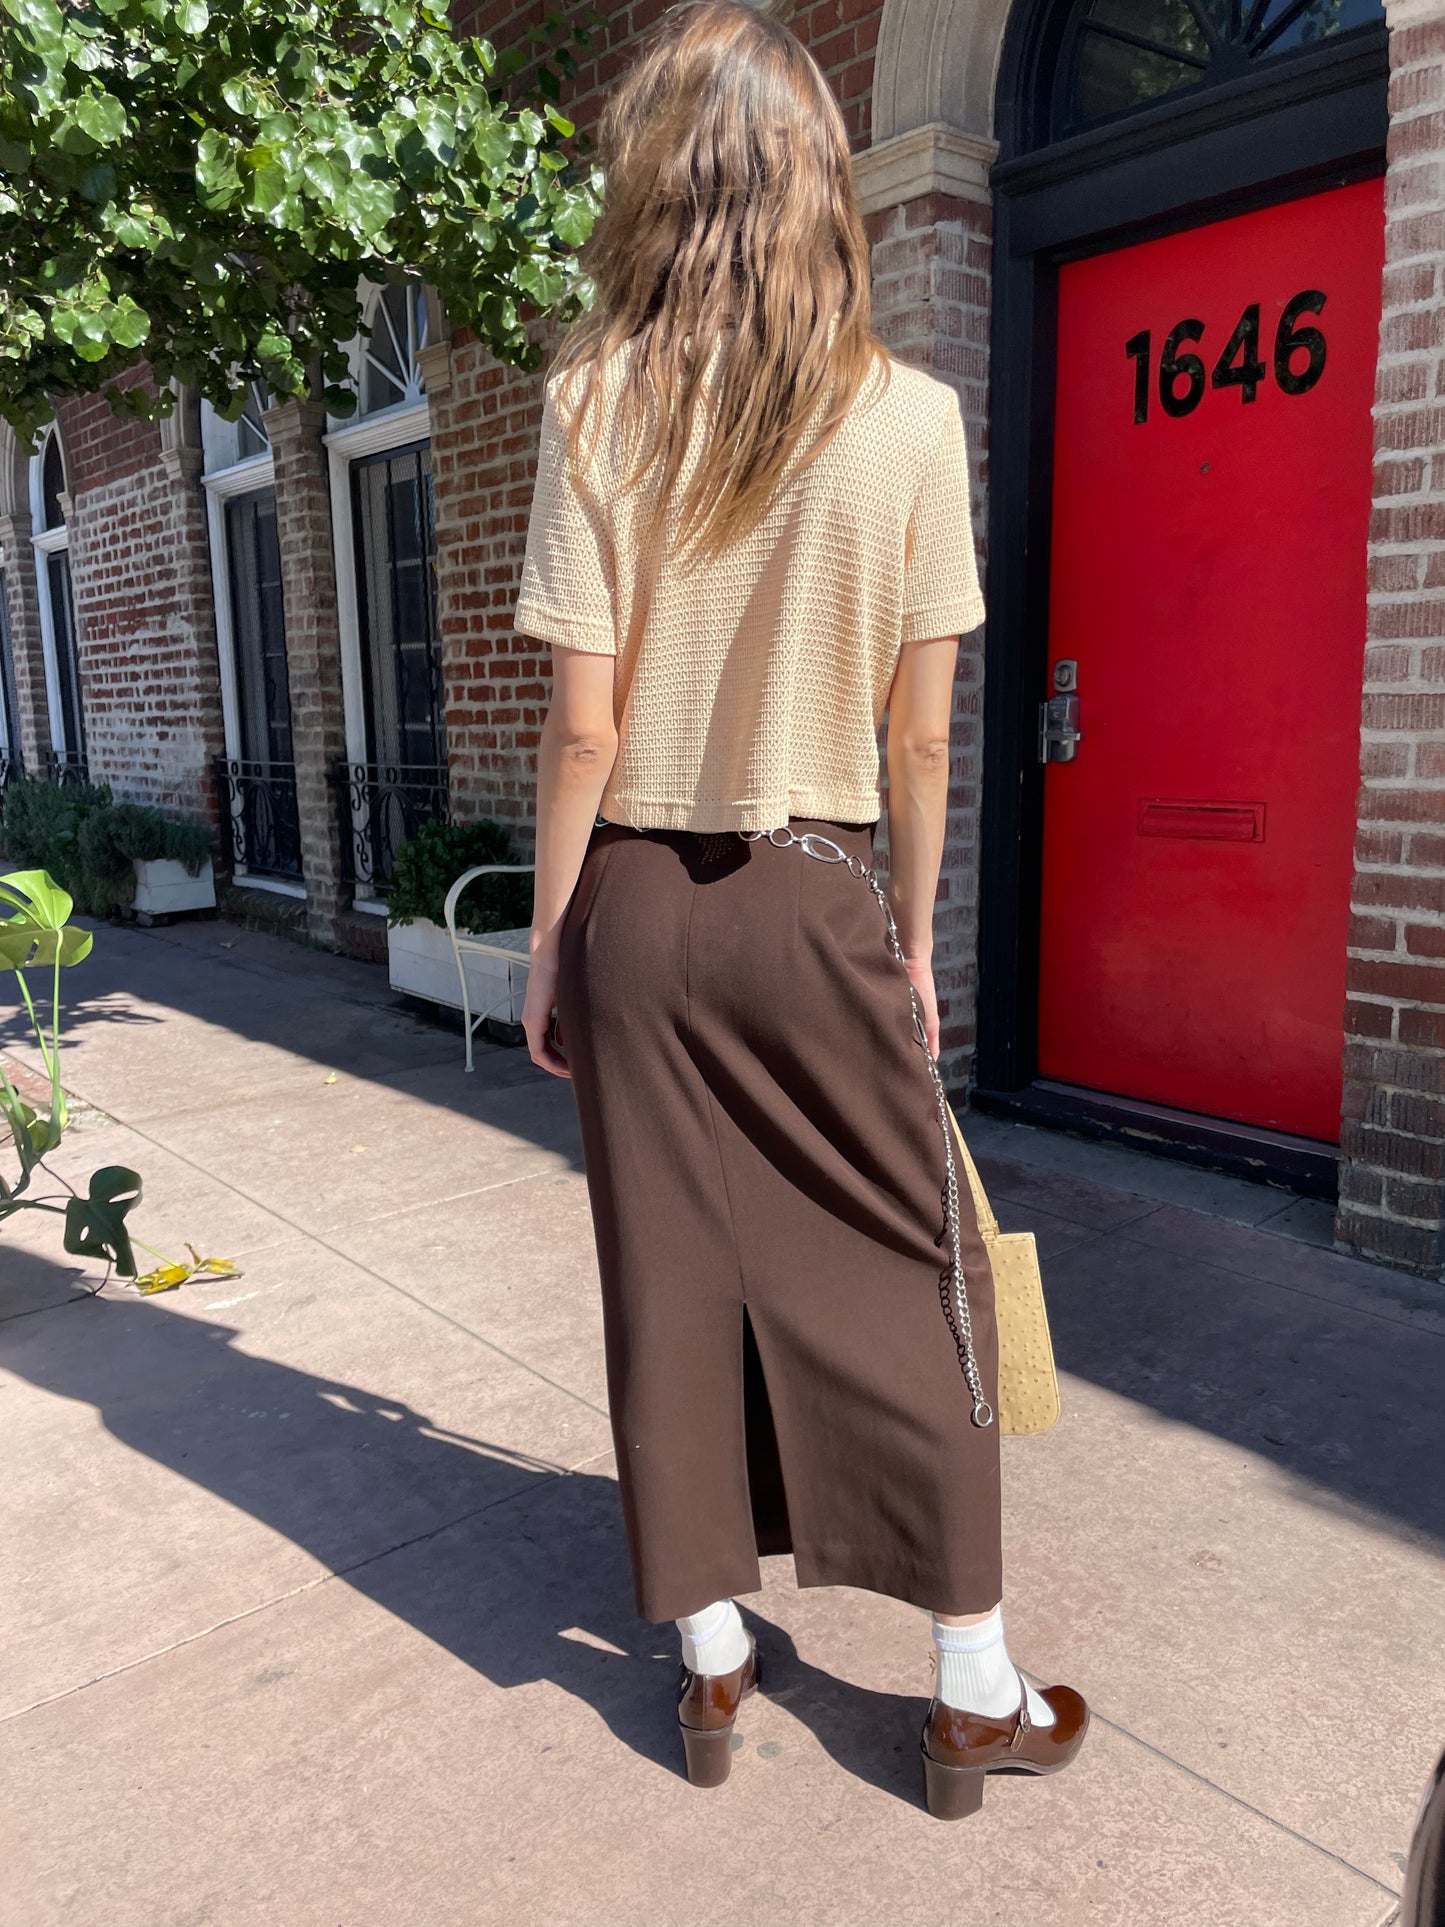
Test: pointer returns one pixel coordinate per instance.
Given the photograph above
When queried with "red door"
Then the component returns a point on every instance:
(1211, 505)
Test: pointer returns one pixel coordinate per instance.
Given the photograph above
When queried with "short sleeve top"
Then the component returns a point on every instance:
(750, 687)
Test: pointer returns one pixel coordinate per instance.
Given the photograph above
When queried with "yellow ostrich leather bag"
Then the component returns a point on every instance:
(1028, 1386)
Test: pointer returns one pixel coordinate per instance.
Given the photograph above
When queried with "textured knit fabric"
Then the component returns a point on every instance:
(976, 1675)
(751, 687)
(766, 1173)
(714, 1640)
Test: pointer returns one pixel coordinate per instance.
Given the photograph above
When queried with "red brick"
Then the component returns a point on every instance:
(1415, 1116)
(1369, 1020)
(1414, 982)
(1388, 663)
(1404, 712)
(1389, 889)
(1425, 617)
(1373, 933)
(1425, 1027)
(1379, 762)
(1379, 846)
(1414, 1247)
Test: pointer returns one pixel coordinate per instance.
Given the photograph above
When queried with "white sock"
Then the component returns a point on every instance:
(714, 1640)
(976, 1675)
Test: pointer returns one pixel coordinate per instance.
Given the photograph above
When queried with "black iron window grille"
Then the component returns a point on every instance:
(260, 823)
(65, 766)
(10, 766)
(382, 805)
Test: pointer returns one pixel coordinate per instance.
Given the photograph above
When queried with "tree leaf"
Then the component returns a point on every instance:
(372, 138)
(102, 117)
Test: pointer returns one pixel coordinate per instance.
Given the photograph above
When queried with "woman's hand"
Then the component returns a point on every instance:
(537, 1011)
(920, 975)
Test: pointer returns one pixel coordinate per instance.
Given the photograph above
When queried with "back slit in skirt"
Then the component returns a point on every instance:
(766, 1174)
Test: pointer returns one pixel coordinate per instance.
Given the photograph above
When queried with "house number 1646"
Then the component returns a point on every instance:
(1180, 375)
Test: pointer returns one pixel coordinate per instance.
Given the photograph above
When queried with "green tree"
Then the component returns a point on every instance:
(201, 184)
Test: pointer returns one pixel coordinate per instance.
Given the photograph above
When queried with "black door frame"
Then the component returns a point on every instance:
(1307, 123)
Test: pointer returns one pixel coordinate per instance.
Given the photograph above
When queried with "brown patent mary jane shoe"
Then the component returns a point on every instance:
(960, 1748)
(707, 1711)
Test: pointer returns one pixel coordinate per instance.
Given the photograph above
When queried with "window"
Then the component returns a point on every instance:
(396, 580)
(390, 373)
(1126, 55)
(257, 776)
(383, 523)
(402, 782)
(9, 712)
(51, 538)
(227, 443)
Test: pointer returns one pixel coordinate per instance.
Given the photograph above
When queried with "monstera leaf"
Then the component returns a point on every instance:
(95, 1225)
(34, 931)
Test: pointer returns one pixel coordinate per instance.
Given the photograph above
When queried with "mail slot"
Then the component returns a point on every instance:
(1216, 822)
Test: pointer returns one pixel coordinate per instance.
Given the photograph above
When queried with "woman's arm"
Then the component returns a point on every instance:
(574, 760)
(920, 706)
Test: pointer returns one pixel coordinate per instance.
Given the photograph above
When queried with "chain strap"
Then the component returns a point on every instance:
(956, 1303)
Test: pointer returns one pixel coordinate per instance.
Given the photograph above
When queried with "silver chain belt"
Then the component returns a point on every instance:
(811, 843)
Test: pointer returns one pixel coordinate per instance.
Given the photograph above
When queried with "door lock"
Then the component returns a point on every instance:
(1059, 732)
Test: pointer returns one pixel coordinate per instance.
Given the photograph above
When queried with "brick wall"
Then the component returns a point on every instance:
(932, 267)
(1392, 1175)
(146, 637)
(841, 34)
(102, 447)
(485, 419)
(313, 649)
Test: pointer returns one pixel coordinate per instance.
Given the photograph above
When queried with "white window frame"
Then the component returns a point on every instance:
(404, 423)
(247, 477)
(45, 543)
(7, 721)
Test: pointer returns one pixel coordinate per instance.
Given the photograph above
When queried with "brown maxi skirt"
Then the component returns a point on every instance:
(767, 1179)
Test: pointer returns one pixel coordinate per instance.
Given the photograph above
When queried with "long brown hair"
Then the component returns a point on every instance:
(730, 226)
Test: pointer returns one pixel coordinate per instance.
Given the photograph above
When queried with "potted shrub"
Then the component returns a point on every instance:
(41, 824)
(419, 949)
(106, 855)
(132, 854)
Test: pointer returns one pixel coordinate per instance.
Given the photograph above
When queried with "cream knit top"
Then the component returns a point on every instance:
(751, 687)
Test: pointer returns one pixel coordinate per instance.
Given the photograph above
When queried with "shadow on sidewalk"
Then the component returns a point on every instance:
(514, 1565)
(1341, 1399)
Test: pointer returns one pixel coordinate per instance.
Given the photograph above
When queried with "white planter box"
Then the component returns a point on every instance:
(163, 887)
(421, 962)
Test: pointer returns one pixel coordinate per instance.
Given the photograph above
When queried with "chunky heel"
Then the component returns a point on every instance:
(952, 1792)
(709, 1755)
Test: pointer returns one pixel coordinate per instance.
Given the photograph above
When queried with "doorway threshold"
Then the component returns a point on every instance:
(1216, 1144)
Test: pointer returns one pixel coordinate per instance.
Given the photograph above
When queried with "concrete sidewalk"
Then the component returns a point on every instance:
(316, 1610)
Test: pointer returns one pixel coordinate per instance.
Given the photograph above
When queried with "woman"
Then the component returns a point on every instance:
(751, 536)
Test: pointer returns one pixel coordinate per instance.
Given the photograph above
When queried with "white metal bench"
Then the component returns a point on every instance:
(464, 944)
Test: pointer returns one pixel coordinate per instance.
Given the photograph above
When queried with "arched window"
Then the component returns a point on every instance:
(52, 484)
(389, 371)
(1122, 56)
(51, 538)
